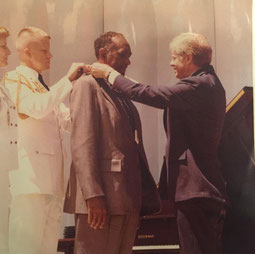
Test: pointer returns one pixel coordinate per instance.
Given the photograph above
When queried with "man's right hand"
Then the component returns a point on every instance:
(76, 70)
(96, 212)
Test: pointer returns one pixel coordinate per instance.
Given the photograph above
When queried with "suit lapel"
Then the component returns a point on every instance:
(137, 122)
(137, 135)
(112, 98)
(108, 94)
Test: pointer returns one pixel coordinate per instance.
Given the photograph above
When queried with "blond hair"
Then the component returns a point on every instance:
(193, 44)
(28, 35)
(4, 32)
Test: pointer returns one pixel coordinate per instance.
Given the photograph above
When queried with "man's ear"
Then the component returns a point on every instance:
(27, 52)
(102, 54)
(189, 58)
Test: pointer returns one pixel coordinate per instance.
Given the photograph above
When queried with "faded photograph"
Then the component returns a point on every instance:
(39, 106)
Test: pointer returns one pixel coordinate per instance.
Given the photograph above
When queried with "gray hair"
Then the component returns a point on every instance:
(193, 44)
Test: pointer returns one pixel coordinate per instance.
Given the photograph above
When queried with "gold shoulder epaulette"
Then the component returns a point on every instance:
(20, 79)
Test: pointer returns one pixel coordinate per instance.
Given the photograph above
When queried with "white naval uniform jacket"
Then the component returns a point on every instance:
(8, 132)
(40, 150)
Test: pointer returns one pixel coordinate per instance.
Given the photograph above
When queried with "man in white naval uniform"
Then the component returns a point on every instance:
(8, 145)
(38, 184)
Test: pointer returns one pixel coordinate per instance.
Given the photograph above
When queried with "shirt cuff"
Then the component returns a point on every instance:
(67, 81)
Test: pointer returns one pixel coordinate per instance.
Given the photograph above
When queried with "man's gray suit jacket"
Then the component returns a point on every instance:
(106, 153)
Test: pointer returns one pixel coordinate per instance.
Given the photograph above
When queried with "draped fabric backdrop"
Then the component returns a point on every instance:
(148, 25)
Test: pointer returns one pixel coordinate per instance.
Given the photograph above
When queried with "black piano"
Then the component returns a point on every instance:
(158, 234)
(236, 154)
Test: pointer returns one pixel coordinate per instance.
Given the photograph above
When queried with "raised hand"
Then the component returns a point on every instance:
(76, 70)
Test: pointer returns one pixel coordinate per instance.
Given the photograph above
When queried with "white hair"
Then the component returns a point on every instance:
(193, 44)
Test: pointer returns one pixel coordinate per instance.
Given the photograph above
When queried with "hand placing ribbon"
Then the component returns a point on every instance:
(100, 70)
(78, 69)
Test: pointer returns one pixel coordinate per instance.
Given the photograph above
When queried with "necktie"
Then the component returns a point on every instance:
(42, 82)
(125, 105)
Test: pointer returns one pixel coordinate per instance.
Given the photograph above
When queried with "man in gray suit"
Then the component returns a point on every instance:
(110, 184)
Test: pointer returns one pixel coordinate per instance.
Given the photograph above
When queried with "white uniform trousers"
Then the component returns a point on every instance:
(5, 198)
(117, 236)
(35, 221)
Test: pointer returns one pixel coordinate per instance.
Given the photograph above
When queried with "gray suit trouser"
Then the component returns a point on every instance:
(117, 236)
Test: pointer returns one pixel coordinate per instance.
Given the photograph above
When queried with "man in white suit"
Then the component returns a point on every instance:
(37, 186)
(8, 148)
